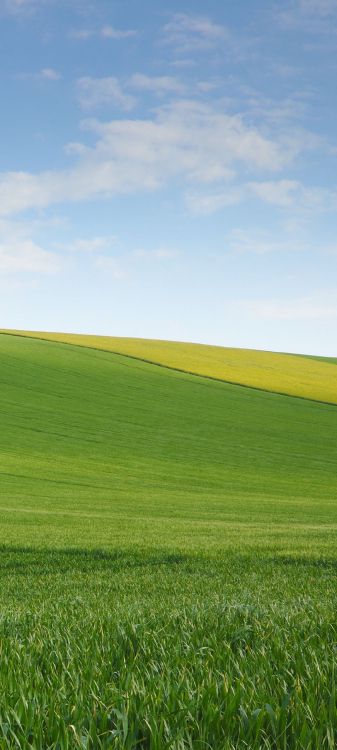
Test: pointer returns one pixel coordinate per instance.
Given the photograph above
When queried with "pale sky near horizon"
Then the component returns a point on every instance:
(169, 170)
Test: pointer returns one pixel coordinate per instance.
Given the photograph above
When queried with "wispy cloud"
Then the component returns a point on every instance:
(97, 92)
(122, 268)
(307, 308)
(279, 193)
(186, 32)
(81, 34)
(278, 110)
(90, 245)
(188, 141)
(106, 32)
(45, 74)
(110, 32)
(310, 16)
(49, 74)
(159, 254)
(25, 256)
(157, 84)
(19, 6)
(292, 193)
(20, 253)
(110, 265)
(206, 204)
(259, 242)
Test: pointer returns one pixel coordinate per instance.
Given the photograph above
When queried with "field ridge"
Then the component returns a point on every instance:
(299, 376)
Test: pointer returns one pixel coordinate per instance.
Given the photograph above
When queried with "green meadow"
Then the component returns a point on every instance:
(168, 554)
(289, 374)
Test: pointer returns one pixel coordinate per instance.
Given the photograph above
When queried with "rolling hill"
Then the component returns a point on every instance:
(294, 375)
(168, 547)
(90, 432)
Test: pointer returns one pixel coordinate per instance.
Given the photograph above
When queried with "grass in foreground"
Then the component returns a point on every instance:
(163, 651)
(168, 560)
(291, 374)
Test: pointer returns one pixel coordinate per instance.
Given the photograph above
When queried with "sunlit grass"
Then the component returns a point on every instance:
(168, 558)
(307, 377)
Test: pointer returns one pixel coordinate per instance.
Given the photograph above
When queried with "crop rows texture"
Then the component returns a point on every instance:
(168, 558)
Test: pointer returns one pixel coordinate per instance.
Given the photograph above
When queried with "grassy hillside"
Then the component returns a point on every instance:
(168, 560)
(89, 432)
(307, 377)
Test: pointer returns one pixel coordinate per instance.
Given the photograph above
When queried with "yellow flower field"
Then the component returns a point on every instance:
(290, 374)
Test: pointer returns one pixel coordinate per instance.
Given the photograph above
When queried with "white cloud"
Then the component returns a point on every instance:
(157, 84)
(206, 204)
(25, 256)
(109, 32)
(18, 6)
(300, 309)
(106, 32)
(97, 92)
(260, 243)
(188, 32)
(291, 193)
(80, 34)
(111, 266)
(330, 249)
(280, 193)
(184, 63)
(186, 141)
(277, 111)
(49, 74)
(45, 74)
(206, 86)
(119, 271)
(75, 149)
(321, 7)
(285, 194)
(21, 190)
(90, 245)
(160, 254)
(310, 16)
(20, 253)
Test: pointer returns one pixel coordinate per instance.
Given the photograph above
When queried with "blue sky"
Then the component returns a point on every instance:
(168, 170)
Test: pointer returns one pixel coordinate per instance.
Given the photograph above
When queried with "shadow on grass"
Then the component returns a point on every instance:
(312, 562)
(46, 561)
(27, 560)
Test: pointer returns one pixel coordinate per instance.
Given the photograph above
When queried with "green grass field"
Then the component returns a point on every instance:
(290, 374)
(168, 554)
